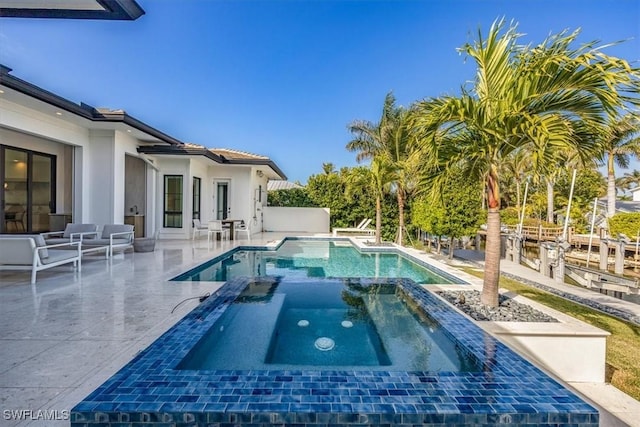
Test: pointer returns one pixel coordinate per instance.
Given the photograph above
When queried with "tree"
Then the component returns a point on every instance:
(375, 180)
(388, 141)
(327, 190)
(293, 197)
(543, 99)
(629, 180)
(620, 140)
(456, 213)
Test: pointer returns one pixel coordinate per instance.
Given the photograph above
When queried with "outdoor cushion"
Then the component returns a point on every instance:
(57, 241)
(44, 253)
(106, 242)
(38, 239)
(115, 228)
(78, 228)
(19, 252)
(59, 256)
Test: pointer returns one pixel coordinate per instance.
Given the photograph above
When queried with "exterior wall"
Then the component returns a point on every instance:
(240, 200)
(636, 195)
(173, 166)
(311, 220)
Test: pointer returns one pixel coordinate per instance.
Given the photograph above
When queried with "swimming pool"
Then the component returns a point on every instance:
(296, 258)
(345, 325)
(500, 387)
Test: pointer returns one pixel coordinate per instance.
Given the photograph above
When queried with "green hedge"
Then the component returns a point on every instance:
(626, 223)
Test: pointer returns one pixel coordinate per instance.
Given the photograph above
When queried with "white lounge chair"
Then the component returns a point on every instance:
(359, 229)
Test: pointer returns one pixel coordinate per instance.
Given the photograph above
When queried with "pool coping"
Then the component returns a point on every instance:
(510, 389)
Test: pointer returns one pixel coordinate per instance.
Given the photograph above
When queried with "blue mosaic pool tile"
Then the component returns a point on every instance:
(507, 389)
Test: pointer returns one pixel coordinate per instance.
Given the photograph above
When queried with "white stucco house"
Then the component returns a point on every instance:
(61, 162)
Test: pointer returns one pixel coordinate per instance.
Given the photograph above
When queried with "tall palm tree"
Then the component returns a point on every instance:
(542, 99)
(620, 141)
(388, 141)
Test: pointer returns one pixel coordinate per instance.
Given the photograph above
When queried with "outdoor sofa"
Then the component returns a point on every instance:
(30, 252)
(112, 236)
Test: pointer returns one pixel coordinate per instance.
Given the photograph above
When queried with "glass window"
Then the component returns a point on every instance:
(172, 201)
(196, 198)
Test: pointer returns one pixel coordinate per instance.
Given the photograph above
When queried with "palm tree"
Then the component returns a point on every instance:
(328, 168)
(543, 99)
(629, 180)
(620, 141)
(388, 140)
(518, 166)
(374, 180)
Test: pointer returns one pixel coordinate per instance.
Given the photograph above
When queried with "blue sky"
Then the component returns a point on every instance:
(283, 78)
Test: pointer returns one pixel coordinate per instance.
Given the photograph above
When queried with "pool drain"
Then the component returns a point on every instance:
(325, 344)
(303, 323)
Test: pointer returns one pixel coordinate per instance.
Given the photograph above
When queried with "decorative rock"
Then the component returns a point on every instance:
(508, 310)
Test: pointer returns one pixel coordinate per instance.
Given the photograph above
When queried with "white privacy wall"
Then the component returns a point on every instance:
(308, 220)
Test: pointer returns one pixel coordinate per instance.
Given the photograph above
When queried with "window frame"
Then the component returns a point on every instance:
(175, 215)
(196, 197)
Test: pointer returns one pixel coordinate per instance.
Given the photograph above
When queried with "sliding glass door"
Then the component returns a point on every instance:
(27, 190)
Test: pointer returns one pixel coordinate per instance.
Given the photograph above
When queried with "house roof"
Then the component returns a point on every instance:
(83, 110)
(127, 10)
(224, 156)
(275, 185)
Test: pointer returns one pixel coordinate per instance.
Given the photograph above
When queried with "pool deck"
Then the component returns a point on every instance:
(63, 337)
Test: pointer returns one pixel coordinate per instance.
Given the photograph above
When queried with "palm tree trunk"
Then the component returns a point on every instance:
(611, 187)
(492, 250)
(400, 235)
(549, 200)
(378, 220)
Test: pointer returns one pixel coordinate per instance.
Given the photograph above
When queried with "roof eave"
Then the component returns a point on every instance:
(83, 110)
(184, 151)
(124, 10)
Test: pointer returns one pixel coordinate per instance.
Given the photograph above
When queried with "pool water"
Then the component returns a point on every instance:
(308, 324)
(304, 258)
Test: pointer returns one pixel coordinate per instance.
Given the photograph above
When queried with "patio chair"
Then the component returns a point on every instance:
(114, 236)
(198, 228)
(243, 227)
(71, 233)
(360, 229)
(215, 227)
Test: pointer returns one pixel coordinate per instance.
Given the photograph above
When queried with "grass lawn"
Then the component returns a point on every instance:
(623, 346)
